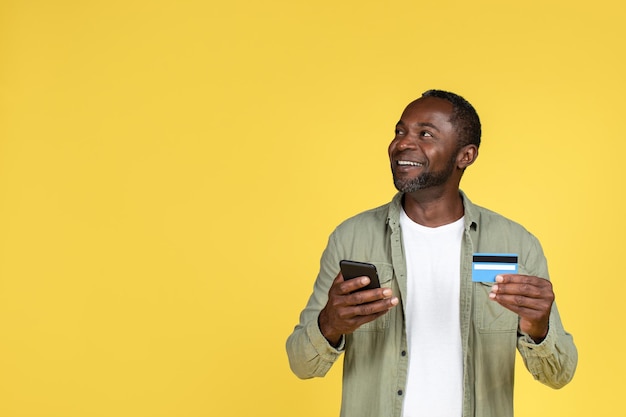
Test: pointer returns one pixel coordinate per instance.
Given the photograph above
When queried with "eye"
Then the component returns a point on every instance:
(399, 132)
(426, 134)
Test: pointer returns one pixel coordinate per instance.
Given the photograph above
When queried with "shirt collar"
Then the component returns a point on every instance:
(471, 213)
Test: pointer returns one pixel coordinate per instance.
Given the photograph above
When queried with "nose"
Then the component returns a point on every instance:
(404, 142)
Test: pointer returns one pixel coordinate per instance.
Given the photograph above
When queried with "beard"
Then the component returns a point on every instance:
(426, 179)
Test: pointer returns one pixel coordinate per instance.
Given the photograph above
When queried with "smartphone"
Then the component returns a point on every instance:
(354, 269)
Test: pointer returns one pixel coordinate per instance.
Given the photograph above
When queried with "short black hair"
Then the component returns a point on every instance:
(464, 117)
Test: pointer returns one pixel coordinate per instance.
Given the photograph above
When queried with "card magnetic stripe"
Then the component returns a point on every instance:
(495, 259)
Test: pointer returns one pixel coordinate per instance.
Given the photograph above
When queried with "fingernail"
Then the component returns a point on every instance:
(386, 292)
(499, 278)
(494, 288)
(394, 301)
(365, 280)
(492, 295)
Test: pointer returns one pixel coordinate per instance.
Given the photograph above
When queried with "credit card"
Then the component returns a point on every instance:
(485, 266)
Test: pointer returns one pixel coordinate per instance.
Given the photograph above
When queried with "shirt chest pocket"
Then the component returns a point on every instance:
(491, 317)
(385, 276)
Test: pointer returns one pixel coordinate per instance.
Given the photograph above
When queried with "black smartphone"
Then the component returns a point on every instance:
(353, 269)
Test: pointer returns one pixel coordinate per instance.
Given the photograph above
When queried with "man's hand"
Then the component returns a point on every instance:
(530, 298)
(347, 310)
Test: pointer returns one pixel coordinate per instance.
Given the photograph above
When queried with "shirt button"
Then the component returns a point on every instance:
(403, 353)
(400, 392)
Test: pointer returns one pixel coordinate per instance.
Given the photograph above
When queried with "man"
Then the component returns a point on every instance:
(431, 341)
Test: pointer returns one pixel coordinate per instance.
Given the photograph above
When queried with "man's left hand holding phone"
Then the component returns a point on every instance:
(350, 304)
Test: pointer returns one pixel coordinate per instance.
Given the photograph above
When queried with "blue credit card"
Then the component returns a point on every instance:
(485, 266)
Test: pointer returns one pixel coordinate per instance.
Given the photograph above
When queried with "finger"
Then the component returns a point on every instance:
(519, 302)
(336, 282)
(523, 290)
(527, 286)
(536, 317)
(375, 307)
(354, 284)
(361, 320)
(522, 279)
(368, 296)
(337, 286)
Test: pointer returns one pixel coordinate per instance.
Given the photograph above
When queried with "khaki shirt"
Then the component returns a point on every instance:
(376, 359)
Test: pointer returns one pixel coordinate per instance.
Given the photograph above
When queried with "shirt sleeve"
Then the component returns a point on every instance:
(553, 361)
(310, 355)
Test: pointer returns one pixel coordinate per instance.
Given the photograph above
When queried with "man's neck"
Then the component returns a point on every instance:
(431, 208)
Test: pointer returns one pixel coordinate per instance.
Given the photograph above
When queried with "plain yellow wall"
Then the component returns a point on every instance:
(170, 172)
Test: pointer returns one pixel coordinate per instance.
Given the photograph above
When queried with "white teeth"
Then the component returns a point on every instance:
(409, 163)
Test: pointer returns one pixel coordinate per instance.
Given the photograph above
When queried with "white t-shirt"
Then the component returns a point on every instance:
(435, 376)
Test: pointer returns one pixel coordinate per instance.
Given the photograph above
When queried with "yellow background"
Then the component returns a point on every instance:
(170, 172)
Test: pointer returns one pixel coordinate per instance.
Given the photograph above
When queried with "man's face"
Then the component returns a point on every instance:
(424, 150)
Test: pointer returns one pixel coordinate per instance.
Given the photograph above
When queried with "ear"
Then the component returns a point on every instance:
(466, 156)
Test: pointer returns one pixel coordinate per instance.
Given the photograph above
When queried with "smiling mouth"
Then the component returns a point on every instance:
(409, 164)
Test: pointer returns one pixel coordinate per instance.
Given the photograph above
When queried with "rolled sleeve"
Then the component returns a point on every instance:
(553, 361)
(310, 354)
